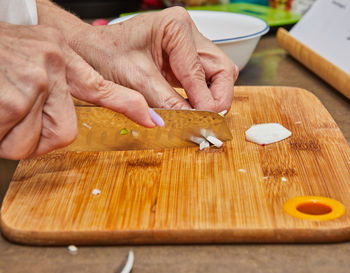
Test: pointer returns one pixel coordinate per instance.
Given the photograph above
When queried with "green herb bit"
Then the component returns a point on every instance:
(124, 131)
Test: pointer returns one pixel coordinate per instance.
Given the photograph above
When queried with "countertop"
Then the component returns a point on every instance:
(269, 65)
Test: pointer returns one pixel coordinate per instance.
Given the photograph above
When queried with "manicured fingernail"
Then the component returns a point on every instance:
(156, 118)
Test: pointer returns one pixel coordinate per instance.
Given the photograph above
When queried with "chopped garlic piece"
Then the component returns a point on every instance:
(283, 179)
(242, 170)
(197, 140)
(72, 249)
(223, 113)
(203, 145)
(134, 133)
(86, 125)
(96, 192)
(215, 141)
(267, 133)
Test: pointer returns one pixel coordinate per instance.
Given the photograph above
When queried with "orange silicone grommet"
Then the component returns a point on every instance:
(314, 208)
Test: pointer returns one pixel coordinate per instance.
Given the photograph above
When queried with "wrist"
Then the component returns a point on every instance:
(72, 27)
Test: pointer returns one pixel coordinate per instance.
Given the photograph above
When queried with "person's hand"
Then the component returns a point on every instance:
(38, 74)
(154, 52)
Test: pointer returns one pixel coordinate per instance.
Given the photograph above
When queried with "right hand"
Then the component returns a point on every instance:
(38, 74)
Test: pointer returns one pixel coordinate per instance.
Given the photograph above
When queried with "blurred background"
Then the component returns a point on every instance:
(113, 8)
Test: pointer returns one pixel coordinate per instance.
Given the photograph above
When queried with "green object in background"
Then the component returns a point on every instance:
(259, 2)
(273, 17)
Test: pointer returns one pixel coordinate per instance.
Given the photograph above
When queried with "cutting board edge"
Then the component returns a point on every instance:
(188, 236)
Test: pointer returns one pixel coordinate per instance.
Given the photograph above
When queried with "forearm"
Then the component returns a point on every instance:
(70, 25)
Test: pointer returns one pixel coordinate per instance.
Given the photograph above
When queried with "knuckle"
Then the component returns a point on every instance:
(195, 74)
(39, 80)
(136, 101)
(180, 14)
(103, 89)
(18, 108)
(198, 70)
(53, 55)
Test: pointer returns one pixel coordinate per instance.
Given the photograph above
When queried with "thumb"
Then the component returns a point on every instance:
(88, 85)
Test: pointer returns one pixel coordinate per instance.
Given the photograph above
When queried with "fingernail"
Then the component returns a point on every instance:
(156, 118)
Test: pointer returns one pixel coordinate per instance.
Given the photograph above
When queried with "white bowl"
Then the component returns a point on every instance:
(236, 34)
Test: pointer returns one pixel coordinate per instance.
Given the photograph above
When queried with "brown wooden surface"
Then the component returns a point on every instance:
(186, 195)
(332, 74)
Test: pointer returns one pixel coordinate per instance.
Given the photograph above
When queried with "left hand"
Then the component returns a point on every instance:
(154, 52)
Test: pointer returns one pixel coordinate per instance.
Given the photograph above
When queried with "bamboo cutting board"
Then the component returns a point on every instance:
(233, 194)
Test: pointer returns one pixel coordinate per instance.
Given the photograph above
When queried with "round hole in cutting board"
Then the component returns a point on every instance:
(314, 208)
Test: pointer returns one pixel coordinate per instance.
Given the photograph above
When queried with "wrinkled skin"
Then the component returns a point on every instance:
(126, 67)
(153, 52)
(38, 74)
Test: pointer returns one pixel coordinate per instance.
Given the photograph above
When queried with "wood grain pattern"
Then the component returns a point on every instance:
(332, 74)
(189, 196)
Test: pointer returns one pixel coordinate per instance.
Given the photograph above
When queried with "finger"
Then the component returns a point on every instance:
(11, 107)
(151, 84)
(19, 89)
(185, 63)
(88, 85)
(59, 123)
(220, 71)
(21, 141)
(23, 93)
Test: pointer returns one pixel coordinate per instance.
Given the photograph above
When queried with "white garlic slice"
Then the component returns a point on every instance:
(267, 133)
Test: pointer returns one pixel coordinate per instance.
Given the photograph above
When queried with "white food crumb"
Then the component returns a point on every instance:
(265, 177)
(204, 144)
(298, 122)
(242, 170)
(267, 133)
(223, 113)
(129, 263)
(159, 154)
(284, 179)
(86, 125)
(72, 249)
(96, 192)
(215, 141)
(134, 133)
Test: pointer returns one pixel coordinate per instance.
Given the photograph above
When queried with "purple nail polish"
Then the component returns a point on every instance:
(156, 118)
